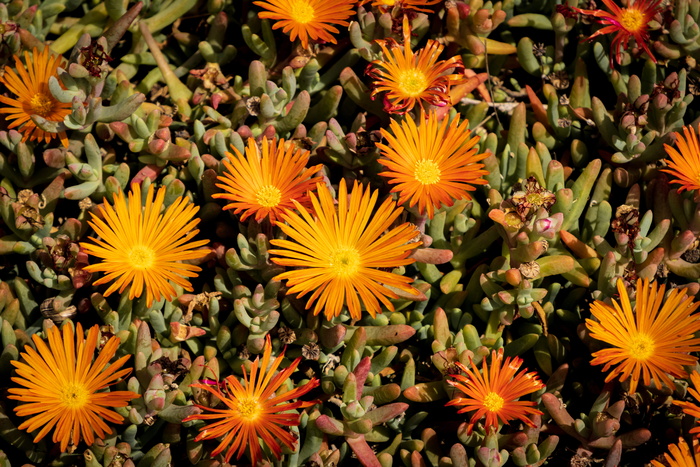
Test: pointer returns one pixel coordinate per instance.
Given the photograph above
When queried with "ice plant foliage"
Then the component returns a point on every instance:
(688, 407)
(650, 342)
(685, 162)
(680, 455)
(626, 23)
(409, 78)
(31, 86)
(308, 19)
(142, 248)
(254, 409)
(342, 254)
(493, 393)
(62, 387)
(264, 182)
(431, 164)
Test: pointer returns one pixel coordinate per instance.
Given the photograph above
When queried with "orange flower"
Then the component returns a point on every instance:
(680, 455)
(31, 86)
(142, 248)
(308, 18)
(410, 78)
(688, 407)
(63, 387)
(255, 410)
(626, 23)
(433, 164)
(265, 184)
(653, 341)
(342, 254)
(685, 163)
(494, 391)
(415, 5)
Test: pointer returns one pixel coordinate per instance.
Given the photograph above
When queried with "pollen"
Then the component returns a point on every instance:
(302, 12)
(41, 104)
(141, 257)
(412, 82)
(345, 261)
(427, 172)
(493, 402)
(632, 19)
(269, 196)
(249, 409)
(74, 395)
(642, 347)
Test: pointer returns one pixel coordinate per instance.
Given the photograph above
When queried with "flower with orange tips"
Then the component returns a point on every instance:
(415, 5)
(342, 253)
(626, 23)
(680, 455)
(493, 393)
(308, 19)
(31, 86)
(63, 388)
(433, 164)
(651, 341)
(264, 182)
(255, 410)
(142, 248)
(410, 78)
(688, 407)
(685, 162)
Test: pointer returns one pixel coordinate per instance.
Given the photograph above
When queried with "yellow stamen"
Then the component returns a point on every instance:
(427, 172)
(412, 82)
(268, 196)
(73, 395)
(41, 104)
(642, 347)
(141, 257)
(249, 409)
(493, 402)
(632, 19)
(345, 261)
(302, 12)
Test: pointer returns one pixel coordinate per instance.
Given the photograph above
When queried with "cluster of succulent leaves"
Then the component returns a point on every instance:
(575, 199)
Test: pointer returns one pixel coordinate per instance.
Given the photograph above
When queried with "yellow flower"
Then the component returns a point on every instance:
(650, 342)
(433, 164)
(341, 253)
(308, 18)
(62, 386)
(255, 410)
(410, 78)
(685, 163)
(143, 248)
(265, 184)
(494, 392)
(680, 455)
(688, 407)
(31, 86)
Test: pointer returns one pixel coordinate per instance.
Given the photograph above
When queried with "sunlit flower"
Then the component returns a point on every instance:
(265, 183)
(415, 5)
(343, 253)
(685, 162)
(680, 455)
(410, 78)
(63, 387)
(433, 164)
(688, 407)
(650, 342)
(143, 248)
(494, 392)
(626, 23)
(254, 410)
(308, 18)
(31, 86)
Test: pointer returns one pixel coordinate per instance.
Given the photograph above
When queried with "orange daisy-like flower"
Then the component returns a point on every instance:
(63, 387)
(626, 23)
(433, 164)
(650, 342)
(31, 86)
(685, 163)
(410, 78)
(265, 184)
(415, 5)
(308, 18)
(680, 455)
(342, 254)
(688, 407)
(255, 410)
(142, 248)
(495, 391)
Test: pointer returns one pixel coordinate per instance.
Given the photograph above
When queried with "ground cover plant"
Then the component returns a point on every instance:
(342, 232)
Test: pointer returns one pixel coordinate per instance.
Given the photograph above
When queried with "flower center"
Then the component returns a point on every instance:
(249, 409)
(73, 395)
(268, 196)
(41, 104)
(412, 82)
(141, 257)
(427, 172)
(632, 19)
(302, 12)
(493, 402)
(345, 261)
(386, 2)
(642, 347)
